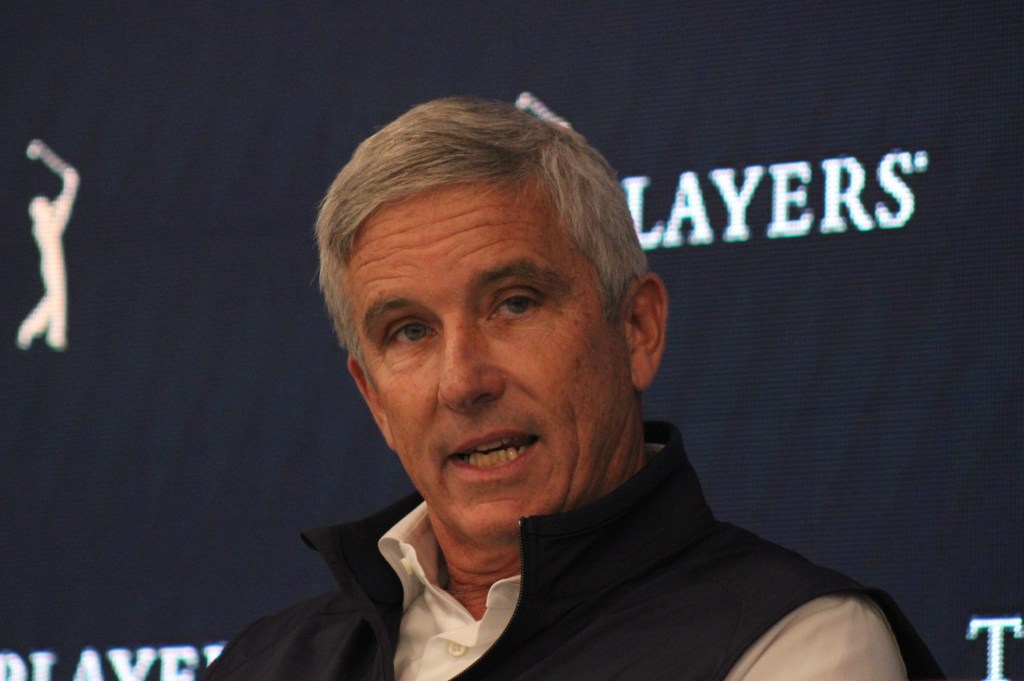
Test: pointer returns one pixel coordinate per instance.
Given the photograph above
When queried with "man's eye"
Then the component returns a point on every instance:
(518, 304)
(411, 332)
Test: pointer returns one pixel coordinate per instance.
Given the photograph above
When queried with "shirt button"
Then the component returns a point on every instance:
(456, 649)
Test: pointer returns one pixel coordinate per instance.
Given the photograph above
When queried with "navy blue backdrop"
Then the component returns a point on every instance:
(845, 356)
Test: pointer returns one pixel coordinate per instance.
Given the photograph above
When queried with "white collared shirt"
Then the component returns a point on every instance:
(438, 638)
(833, 637)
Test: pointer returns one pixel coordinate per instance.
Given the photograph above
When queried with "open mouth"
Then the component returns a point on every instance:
(491, 454)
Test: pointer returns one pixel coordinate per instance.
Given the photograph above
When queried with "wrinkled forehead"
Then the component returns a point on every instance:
(441, 222)
(516, 194)
(455, 233)
(426, 224)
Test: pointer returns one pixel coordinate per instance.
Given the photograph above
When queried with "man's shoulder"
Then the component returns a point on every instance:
(838, 636)
(740, 558)
(750, 584)
(745, 565)
(331, 628)
(743, 582)
(281, 629)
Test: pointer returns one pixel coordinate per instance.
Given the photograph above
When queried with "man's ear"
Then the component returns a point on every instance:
(645, 314)
(369, 393)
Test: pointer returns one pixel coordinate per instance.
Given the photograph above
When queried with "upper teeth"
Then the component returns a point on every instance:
(495, 457)
(493, 445)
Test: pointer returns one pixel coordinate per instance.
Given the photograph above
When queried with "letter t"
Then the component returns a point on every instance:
(995, 626)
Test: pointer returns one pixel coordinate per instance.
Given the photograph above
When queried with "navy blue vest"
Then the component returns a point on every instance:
(642, 584)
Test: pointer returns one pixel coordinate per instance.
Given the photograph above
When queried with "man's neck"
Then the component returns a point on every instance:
(473, 570)
(473, 567)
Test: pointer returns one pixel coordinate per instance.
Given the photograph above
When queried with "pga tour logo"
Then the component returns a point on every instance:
(845, 179)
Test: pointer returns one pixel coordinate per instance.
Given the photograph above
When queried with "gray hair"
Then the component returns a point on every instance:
(464, 140)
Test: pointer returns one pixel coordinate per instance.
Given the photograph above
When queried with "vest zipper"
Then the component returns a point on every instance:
(515, 611)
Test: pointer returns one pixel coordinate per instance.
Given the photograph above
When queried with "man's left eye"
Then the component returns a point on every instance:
(412, 332)
(518, 304)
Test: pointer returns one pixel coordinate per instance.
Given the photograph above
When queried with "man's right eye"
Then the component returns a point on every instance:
(413, 331)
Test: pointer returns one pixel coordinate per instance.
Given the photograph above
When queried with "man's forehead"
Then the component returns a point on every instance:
(450, 226)
(457, 239)
(452, 201)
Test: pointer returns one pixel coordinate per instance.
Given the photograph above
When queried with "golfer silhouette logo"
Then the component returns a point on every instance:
(49, 219)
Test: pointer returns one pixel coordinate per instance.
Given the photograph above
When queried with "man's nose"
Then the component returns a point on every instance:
(469, 379)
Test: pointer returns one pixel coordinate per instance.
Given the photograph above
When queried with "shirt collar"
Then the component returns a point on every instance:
(410, 548)
(664, 496)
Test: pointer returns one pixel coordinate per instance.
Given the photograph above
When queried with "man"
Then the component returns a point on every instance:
(482, 268)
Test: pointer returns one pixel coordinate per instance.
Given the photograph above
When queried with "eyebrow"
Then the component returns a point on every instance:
(548, 280)
(373, 315)
(552, 281)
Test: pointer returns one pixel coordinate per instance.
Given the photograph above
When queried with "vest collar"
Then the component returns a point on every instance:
(651, 516)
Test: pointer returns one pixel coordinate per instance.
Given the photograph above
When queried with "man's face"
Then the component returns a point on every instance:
(488, 362)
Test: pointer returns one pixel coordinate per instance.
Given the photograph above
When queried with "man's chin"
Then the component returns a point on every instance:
(493, 524)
